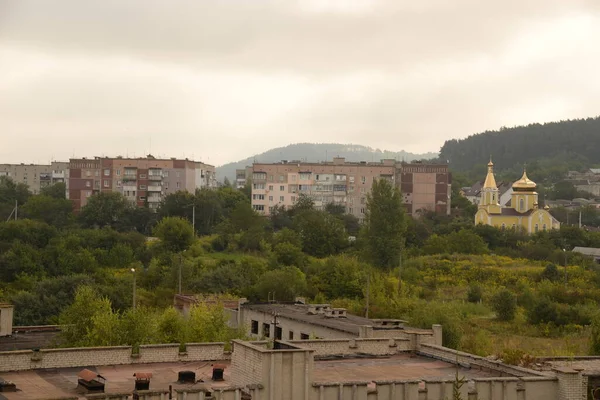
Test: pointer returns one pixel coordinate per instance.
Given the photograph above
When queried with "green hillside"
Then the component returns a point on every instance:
(314, 152)
(554, 147)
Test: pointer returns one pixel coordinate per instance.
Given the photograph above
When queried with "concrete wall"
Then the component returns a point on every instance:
(473, 361)
(6, 319)
(287, 325)
(337, 347)
(81, 357)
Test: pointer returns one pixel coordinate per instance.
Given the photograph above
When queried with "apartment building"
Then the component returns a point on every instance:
(141, 180)
(241, 176)
(36, 176)
(424, 186)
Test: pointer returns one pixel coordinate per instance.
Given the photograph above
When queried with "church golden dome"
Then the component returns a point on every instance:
(524, 183)
(490, 181)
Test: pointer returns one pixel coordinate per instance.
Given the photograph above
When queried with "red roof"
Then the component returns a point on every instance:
(143, 376)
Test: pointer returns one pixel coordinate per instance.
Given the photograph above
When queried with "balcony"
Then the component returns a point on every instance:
(155, 176)
(154, 199)
(154, 188)
(128, 178)
(58, 174)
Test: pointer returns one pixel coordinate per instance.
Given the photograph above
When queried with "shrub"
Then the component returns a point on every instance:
(474, 294)
(504, 303)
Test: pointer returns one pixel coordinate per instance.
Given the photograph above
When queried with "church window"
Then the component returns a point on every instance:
(544, 227)
(493, 198)
(522, 205)
(537, 228)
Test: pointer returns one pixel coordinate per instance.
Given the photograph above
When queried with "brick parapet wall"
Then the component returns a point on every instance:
(344, 347)
(119, 355)
(470, 360)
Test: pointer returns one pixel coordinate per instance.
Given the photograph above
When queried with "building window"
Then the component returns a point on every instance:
(281, 178)
(266, 330)
(142, 176)
(363, 200)
(537, 228)
(281, 188)
(293, 199)
(88, 184)
(278, 333)
(142, 187)
(363, 179)
(96, 173)
(107, 172)
(142, 198)
(544, 227)
(305, 176)
(270, 187)
(118, 172)
(259, 186)
(291, 335)
(304, 336)
(293, 178)
(362, 190)
(88, 173)
(119, 183)
(178, 185)
(165, 174)
(281, 198)
(88, 193)
(350, 211)
(177, 174)
(166, 185)
(522, 204)
(270, 178)
(254, 327)
(105, 183)
(362, 210)
(258, 207)
(258, 197)
(270, 198)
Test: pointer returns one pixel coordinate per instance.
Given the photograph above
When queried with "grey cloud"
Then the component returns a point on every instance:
(229, 78)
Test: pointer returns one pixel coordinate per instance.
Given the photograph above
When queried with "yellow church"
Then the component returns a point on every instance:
(523, 212)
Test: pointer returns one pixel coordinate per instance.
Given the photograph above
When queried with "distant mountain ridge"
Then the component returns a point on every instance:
(316, 152)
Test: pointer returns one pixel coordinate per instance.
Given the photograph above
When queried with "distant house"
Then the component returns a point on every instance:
(473, 193)
(589, 251)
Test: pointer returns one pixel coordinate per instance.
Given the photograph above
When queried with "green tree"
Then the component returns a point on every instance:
(77, 320)
(56, 191)
(385, 224)
(51, 210)
(286, 283)
(322, 234)
(11, 192)
(106, 209)
(209, 211)
(504, 303)
(289, 254)
(176, 234)
(595, 337)
(474, 294)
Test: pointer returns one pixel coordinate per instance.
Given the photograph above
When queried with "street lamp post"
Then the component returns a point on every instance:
(134, 284)
(565, 251)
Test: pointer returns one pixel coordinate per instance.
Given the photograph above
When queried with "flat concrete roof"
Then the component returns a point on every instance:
(51, 383)
(403, 366)
(299, 312)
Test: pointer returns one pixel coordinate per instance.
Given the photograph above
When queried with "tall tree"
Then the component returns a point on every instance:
(52, 210)
(385, 224)
(175, 233)
(106, 209)
(57, 191)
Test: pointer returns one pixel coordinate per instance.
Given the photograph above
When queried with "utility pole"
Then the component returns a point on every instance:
(580, 218)
(368, 293)
(133, 271)
(180, 264)
(565, 251)
(193, 224)
(16, 209)
(400, 274)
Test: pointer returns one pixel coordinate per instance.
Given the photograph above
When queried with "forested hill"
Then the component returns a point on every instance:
(314, 152)
(573, 143)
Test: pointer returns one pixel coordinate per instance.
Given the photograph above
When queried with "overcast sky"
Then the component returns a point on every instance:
(222, 80)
